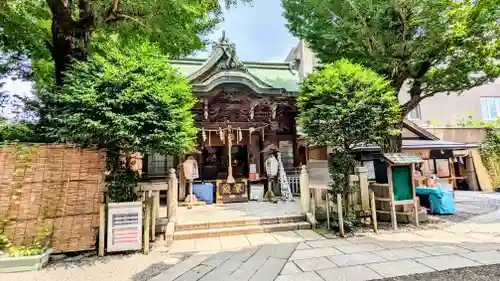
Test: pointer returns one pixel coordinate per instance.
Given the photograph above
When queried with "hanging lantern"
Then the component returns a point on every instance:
(205, 109)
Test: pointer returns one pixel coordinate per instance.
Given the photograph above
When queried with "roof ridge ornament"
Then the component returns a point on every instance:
(231, 60)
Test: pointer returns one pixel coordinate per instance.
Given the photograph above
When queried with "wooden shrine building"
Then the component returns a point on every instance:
(243, 108)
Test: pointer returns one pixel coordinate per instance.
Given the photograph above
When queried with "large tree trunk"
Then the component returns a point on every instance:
(70, 38)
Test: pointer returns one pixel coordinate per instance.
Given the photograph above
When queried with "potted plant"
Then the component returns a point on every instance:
(15, 258)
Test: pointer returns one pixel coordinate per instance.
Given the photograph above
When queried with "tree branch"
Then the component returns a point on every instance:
(416, 99)
(55, 6)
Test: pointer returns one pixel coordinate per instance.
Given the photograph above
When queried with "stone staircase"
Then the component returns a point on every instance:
(239, 227)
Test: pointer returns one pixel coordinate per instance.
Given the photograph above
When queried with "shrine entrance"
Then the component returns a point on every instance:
(243, 108)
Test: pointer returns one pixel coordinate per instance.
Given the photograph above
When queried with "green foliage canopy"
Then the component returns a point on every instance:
(30, 30)
(345, 104)
(435, 45)
(130, 100)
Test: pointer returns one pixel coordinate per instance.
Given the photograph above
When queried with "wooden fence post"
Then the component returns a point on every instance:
(147, 221)
(155, 194)
(373, 211)
(340, 215)
(102, 225)
(305, 194)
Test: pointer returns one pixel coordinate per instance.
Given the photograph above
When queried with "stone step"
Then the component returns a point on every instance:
(237, 223)
(240, 230)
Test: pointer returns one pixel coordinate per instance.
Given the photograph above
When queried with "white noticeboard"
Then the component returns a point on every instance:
(124, 226)
(191, 169)
(371, 169)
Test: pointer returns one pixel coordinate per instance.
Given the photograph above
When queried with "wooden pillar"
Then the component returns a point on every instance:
(391, 197)
(373, 211)
(414, 194)
(182, 179)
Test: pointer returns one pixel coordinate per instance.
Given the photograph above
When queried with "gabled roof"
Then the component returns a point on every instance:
(224, 67)
(419, 131)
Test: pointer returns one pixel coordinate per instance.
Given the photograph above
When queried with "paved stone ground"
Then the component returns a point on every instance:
(351, 259)
(226, 212)
(306, 255)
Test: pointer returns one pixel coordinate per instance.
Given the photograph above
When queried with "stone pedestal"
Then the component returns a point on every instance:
(362, 173)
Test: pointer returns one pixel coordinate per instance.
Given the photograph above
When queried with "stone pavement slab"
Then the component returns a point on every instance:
(486, 257)
(309, 234)
(287, 237)
(222, 271)
(315, 264)
(247, 269)
(399, 244)
(303, 246)
(360, 239)
(312, 253)
(207, 244)
(401, 254)
(269, 270)
(328, 243)
(350, 273)
(447, 262)
(261, 239)
(283, 250)
(355, 259)
(480, 247)
(442, 250)
(399, 268)
(179, 269)
(303, 276)
(195, 273)
(290, 268)
(356, 248)
(234, 242)
(244, 254)
(218, 259)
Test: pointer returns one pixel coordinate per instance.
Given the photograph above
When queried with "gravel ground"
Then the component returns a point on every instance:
(133, 267)
(478, 273)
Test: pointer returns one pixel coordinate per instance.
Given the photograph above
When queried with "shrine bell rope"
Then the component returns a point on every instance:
(223, 132)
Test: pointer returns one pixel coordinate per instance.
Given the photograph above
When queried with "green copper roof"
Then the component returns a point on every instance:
(402, 158)
(276, 75)
(224, 67)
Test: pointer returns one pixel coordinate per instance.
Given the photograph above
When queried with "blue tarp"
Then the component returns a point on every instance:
(441, 201)
(204, 192)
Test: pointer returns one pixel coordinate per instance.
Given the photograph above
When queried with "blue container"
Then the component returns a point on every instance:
(440, 201)
(204, 192)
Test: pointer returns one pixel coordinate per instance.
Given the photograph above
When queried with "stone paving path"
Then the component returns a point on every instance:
(306, 255)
